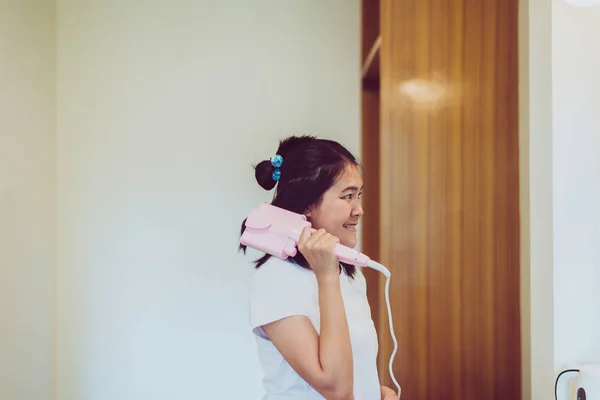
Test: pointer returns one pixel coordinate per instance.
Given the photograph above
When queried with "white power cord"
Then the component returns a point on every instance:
(386, 272)
(558, 378)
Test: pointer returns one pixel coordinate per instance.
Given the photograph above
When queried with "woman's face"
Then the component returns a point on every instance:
(341, 207)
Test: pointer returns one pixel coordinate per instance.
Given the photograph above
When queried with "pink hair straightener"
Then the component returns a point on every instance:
(276, 231)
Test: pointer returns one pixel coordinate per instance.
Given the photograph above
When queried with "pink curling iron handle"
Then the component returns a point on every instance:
(347, 255)
(350, 256)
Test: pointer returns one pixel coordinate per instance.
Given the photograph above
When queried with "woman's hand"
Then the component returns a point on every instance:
(388, 394)
(318, 247)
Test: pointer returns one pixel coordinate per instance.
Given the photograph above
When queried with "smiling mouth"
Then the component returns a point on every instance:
(350, 227)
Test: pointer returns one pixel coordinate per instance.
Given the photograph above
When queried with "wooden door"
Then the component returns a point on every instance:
(449, 202)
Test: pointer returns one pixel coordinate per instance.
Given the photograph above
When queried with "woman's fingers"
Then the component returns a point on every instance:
(315, 238)
(304, 236)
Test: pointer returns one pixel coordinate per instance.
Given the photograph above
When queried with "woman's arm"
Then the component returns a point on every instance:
(325, 360)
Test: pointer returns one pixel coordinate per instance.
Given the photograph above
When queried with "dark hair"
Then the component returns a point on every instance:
(310, 167)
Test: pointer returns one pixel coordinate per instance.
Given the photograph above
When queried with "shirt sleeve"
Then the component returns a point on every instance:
(279, 289)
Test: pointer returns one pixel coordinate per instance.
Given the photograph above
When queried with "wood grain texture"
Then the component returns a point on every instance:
(370, 153)
(370, 18)
(370, 69)
(370, 26)
(371, 195)
(449, 206)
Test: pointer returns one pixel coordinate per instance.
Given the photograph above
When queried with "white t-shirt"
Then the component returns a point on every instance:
(281, 289)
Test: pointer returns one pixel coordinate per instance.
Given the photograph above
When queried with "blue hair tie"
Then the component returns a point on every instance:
(276, 174)
(276, 161)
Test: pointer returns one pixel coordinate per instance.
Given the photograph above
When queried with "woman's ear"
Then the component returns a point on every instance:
(308, 213)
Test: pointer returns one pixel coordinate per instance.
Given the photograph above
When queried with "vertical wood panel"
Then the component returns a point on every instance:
(370, 156)
(370, 223)
(449, 217)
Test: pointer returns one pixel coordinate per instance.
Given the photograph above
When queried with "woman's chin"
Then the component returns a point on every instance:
(349, 241)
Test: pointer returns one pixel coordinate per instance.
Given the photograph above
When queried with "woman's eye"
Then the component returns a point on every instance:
(347, 197)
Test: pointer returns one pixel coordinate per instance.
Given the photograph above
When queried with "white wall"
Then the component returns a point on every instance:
(535, 158)
(27, 199)
(576, 135)
(560, 191)
(151, 290)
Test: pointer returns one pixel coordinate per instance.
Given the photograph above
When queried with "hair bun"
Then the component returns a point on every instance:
(264, 175)
(267, 172)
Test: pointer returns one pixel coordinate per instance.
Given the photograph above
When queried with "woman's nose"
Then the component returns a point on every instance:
(358, 210)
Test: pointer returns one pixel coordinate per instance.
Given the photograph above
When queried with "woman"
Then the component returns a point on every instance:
(310, 313)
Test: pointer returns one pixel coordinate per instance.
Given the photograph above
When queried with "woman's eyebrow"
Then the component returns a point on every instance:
(352, 188)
